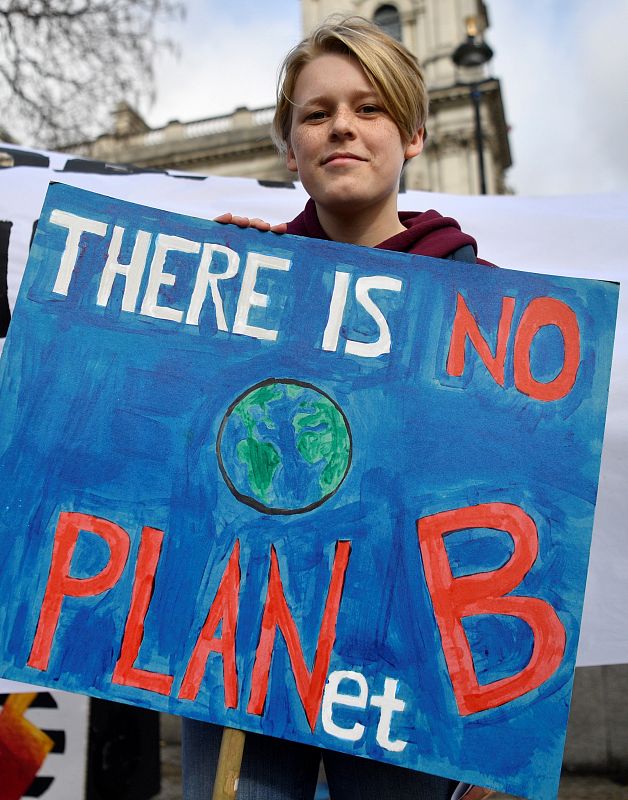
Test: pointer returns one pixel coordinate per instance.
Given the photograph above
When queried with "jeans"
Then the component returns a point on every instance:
(275, 769)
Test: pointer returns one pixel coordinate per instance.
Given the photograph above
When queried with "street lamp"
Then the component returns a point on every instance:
(474, 52)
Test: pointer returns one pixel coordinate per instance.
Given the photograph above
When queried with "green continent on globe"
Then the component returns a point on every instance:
(261, 458)
(328, 442)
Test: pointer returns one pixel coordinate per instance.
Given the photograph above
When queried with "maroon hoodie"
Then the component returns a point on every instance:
(427, 233)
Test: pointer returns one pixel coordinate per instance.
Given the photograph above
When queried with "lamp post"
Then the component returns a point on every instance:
(474, 52)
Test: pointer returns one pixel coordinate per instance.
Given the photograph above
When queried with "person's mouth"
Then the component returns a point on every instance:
(341, 158)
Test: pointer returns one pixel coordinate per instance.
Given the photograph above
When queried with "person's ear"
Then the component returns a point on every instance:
(415, 145)
(291, 161)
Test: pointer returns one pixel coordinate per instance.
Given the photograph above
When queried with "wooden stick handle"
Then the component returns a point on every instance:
(229, 762)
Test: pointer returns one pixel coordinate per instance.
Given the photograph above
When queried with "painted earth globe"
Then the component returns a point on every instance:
(284, 447)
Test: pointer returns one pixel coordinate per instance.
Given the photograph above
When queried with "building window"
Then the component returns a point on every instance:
(387, 18)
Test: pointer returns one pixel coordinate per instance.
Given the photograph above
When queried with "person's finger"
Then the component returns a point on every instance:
(242, 222)
(245, 222)
(259, 224)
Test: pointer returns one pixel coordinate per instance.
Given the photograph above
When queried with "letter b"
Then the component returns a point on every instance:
(486, 593)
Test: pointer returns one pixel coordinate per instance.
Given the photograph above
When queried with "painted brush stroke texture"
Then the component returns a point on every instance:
(332, 494)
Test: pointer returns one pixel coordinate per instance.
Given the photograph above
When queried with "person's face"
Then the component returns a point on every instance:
(346, 148)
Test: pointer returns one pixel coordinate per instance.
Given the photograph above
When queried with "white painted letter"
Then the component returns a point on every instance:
(205, 277)
(76, 226)
(158, 277)
(382, 344)
(132, 271)
(249, 297)
(389, 704)
(333, 696)
(336, 311)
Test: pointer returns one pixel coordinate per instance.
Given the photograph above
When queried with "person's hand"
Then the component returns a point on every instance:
(245, 222)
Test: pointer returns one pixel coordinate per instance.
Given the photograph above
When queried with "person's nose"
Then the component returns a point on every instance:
(343, 124)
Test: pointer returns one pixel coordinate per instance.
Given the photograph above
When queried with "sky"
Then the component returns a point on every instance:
(563, 65)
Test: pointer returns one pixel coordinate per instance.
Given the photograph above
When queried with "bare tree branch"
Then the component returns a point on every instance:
(65, 64)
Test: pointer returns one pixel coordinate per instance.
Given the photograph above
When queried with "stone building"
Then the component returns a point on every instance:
(239, 144)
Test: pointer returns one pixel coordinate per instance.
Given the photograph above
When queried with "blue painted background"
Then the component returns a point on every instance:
(116, 415)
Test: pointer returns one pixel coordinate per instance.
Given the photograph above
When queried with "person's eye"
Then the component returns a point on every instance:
(370, 108)
(314, 116)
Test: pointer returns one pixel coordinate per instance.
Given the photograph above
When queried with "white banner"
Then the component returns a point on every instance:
(577, 236)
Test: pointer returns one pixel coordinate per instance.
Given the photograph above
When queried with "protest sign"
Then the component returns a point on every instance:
(580, 236)
(332, 494)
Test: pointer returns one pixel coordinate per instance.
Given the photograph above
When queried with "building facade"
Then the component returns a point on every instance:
(239, 144)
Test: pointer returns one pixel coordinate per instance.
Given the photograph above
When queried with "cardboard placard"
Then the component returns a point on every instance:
(332, 494)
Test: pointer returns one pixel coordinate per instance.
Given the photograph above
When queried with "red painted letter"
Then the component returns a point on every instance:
(225, 608)
(547, 311)
(61, 585)
(465, 325)
(276, 613)
(484, 593)
(125, 673)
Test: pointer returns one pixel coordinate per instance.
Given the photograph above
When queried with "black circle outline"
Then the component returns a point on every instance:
(251, 501)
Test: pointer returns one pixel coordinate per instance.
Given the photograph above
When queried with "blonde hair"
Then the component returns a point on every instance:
(391, 68)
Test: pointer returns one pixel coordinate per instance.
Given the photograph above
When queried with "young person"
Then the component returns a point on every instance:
(351, 110)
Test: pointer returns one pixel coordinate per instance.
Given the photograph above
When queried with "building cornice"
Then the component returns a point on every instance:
(457, 95)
